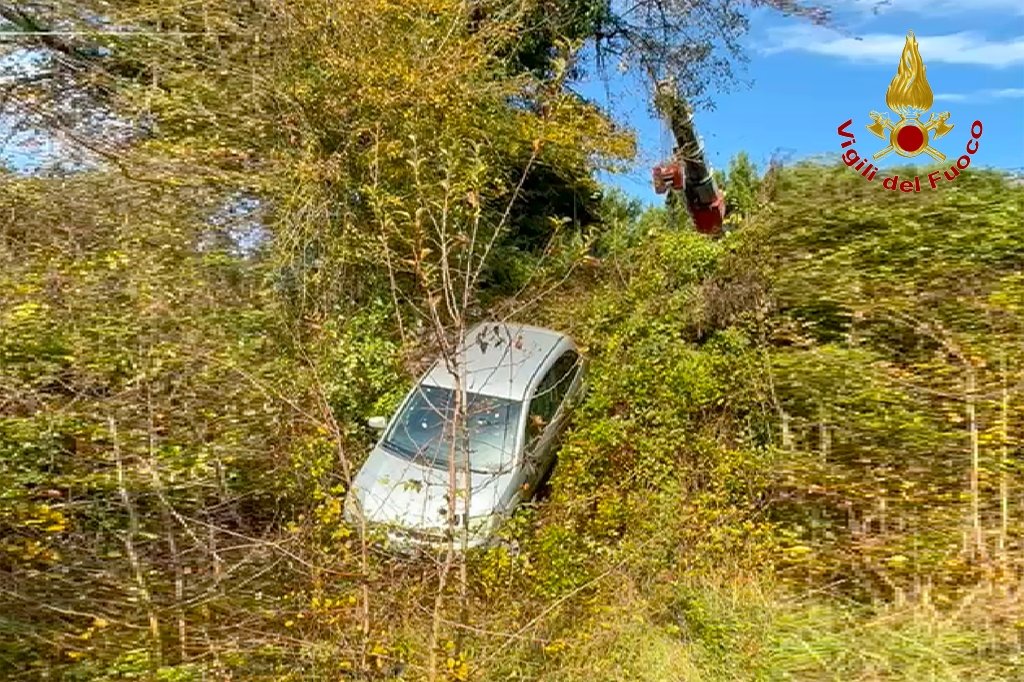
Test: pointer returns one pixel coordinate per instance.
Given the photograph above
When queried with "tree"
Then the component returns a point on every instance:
(742, 186)
(895, 360)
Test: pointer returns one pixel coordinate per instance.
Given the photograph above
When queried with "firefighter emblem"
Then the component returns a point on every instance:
(909, 96)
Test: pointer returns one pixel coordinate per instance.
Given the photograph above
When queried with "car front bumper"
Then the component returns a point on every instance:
(415, 541)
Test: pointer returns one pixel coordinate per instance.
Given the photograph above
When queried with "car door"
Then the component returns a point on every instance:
(547, 414)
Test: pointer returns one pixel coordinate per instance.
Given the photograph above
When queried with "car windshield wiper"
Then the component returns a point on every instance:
(438, 462)
(398, 449)
(418, 456)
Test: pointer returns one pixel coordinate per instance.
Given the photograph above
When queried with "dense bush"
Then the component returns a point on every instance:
(800, 453)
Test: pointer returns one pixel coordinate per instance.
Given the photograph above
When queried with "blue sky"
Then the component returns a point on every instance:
(803, 81)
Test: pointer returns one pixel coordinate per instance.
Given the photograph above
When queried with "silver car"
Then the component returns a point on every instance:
(520, 382)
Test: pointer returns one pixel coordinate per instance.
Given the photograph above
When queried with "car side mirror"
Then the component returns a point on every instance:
(377, 423)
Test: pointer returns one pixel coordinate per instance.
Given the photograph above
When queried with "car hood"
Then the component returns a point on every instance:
(394, 490)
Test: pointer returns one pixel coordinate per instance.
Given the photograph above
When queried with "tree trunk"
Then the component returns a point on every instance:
(977, 537)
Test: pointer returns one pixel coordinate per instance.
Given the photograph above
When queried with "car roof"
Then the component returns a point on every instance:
(503, 359)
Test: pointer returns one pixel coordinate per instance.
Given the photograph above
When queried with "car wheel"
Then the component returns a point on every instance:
(543, 489)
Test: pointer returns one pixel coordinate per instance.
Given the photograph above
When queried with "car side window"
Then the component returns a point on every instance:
(550, 393)
(562, 375)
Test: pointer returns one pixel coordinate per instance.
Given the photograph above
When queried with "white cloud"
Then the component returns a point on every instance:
(1007, 93)
(994, 93)
(930, 8)
(885, 48)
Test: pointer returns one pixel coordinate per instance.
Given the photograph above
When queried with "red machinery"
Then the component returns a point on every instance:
(688, 171)
(668, 176)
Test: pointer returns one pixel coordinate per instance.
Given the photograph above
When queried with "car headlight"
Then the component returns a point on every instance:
(482, 525)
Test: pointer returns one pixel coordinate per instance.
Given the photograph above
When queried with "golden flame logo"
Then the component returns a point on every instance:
(909, 96)
(909, 93)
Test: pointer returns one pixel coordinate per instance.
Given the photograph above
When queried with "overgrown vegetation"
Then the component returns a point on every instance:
(800, 453)
(799, 457)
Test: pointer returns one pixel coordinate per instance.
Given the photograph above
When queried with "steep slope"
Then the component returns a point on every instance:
(800, 457)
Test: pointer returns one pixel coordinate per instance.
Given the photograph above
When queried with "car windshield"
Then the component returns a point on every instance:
(423, 429)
